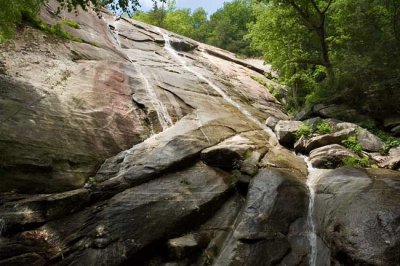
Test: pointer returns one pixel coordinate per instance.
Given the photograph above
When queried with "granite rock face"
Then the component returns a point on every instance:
(118, 151)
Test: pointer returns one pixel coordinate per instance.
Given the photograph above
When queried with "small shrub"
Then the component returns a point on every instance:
(324, 128)
(390, 141)
(262, 82)
(304, 130)
(357, 162)
(353, 144)
(70, 23)
(52, 29)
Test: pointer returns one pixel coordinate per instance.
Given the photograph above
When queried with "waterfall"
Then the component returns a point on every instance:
(162, 113)
(312, 180)
(174, 54)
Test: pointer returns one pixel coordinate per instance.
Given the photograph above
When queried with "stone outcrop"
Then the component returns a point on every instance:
(330, 156)
(118, 151)
(285, 131)
(358, 216)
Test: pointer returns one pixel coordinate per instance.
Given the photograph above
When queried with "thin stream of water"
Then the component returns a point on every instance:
(312, 180)
(174, 54)
(162, 113)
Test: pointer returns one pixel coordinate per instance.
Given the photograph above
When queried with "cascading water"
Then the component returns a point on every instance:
(312, 180)
(174, 54)
(162, 113)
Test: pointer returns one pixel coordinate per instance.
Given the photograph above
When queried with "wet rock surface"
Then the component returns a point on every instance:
(358, 216)
(114, 152)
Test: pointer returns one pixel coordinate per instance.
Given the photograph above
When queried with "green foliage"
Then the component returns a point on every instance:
(304, 130)
(353, 144)
(261, 81)
(390, 141)
(345, 51)
(55, 29)
(70, 23)
(324, 128)
(357, 162)
(11, 14)
(226, 28)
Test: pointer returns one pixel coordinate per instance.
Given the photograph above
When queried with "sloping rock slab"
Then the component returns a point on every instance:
(176, 147)
(120, 229)
(330, 156)
(359, 216)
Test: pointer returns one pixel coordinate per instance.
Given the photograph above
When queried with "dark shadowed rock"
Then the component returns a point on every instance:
(358, 216)
(183, 44)
(275, 201)
(227, 153)
(285, 131)
(342, 112)
(330, 156)
(124, 226)
(40, 208)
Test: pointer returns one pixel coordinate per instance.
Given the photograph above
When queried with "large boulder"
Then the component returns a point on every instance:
(281, 158)
(276, 203)
(330, 156)
(227, 154)
(358, 216)
(392, 161)
(369, 142)
(328, 139)
(285, 131)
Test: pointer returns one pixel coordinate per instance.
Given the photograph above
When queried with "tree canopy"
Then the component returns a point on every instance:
(12, 11)
(344, 51)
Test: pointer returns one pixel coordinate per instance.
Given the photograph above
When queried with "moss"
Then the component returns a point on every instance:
(70, 23)
(357, 162)
(262, 82)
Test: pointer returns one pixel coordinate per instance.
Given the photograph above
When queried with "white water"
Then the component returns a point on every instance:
(312, 180)
(174, 54)
(162, 113)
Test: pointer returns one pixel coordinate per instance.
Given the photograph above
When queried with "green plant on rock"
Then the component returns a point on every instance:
(324, 128)
(389, 141)
(70, 23)
(262, 82)
(353, 144)
(304, 130)
(357, 162)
